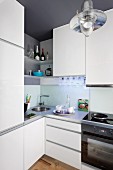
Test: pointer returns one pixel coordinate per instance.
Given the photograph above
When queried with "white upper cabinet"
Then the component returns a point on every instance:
(68, 52)
(12, 22)
(99, 54)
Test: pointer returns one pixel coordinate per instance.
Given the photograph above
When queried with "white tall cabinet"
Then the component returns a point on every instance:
(11, 150)
(68, 52)
(99, 54)
(12, 22)
(11, 84)
(11, 64)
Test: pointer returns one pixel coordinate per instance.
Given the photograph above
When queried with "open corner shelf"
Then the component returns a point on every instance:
(36, 77)
(40, 62)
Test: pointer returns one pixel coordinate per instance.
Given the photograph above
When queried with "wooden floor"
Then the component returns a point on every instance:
(48, 163)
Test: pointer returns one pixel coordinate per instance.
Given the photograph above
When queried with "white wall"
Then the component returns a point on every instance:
(58, 94)
(100, 99)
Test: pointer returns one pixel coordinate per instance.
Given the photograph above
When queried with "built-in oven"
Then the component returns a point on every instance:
(97, 146)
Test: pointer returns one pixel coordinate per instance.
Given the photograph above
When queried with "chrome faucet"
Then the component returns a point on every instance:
(42, 103)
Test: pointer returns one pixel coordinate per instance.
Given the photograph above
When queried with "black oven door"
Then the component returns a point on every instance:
(97, 151)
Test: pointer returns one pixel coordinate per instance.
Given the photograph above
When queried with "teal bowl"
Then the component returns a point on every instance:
(37, 73)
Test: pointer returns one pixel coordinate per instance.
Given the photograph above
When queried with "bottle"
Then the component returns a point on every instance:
(48, 71)
(37, 55)
(47, 56)
(42, 58)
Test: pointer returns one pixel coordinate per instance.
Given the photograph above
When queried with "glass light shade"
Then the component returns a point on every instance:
(88, 20)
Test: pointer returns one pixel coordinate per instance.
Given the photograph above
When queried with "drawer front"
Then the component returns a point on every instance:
(64, 124)
(63, 154)
(64, 137)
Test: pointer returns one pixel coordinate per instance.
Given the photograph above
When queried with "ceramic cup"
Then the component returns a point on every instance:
(58, 108)
(70, 109)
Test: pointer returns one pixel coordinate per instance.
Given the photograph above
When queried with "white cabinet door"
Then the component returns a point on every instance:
(34, 142)
(11, 150)
(68, 52)
(99, 54)
(11, 85)
(11, 64)
(11, 106)
(12, 22)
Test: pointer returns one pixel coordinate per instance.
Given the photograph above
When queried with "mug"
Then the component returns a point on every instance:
(58, 108)
(70, 109)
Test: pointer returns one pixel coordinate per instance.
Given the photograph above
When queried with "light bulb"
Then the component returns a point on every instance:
(86, 31)
(88, 24)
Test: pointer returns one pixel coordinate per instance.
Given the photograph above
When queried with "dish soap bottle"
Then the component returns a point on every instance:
(48, 71)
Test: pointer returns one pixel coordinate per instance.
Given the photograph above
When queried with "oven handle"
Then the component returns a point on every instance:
(86, 135)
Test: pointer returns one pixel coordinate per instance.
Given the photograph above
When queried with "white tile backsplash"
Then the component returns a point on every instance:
(58, 94)
(101, 100)
(34, 91)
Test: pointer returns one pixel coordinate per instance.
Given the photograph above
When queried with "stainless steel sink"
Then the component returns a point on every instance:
(40, 109)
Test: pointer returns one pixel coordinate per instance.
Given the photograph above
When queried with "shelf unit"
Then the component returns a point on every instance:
(40, 62)
(36, 77)
(35, 65)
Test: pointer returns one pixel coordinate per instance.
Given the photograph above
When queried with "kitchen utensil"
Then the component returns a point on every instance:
(38, 73)
(59, 108)
(70, 110)
(101, 117)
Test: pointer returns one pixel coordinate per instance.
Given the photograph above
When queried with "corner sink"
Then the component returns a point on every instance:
(40, 109)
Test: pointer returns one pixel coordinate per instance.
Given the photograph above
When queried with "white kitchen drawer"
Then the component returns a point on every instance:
(64, 124)
(64, 137)
(63, 154)
(88, 167)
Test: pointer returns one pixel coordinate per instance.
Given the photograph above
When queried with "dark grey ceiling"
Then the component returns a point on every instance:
(41, 16)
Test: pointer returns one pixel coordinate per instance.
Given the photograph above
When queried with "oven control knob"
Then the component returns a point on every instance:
(95, 129)
(111, 132)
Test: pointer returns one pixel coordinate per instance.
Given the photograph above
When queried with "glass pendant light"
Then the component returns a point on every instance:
(88, 20)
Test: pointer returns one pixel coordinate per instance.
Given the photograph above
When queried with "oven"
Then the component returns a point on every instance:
(97, 146)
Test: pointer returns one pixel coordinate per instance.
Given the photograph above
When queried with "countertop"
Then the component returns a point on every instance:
(74, 117)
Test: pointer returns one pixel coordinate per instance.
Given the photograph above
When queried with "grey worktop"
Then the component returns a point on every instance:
(75, 118)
